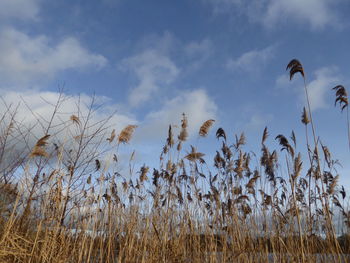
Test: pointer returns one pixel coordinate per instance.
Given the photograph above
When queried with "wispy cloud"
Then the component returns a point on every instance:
(319, 87)
(198, 52)
(316, 13)
(33, 111)
(325, 79)
(153, 71)
(196, 104)
(253, 60)
(25, 58)
(253, 118)
(155, 66)
(272, 13)
(41, 105)
(258, 120)
(19, 9)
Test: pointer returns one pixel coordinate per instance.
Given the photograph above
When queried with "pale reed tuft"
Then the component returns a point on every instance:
(38, 149)
(126, 134)
(333, 185)
(341, 96)
(265, 135)
(183, 133)
(194, 155)
(75, 119)
(110, 139)
(204, 129)
(305, 117)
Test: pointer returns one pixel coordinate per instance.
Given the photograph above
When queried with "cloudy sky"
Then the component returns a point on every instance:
(212, 59)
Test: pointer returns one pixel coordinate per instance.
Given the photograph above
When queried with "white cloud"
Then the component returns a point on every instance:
(164, 43)
(324, 79)
(41, 104)
(252, 60)
(25, 58)
(197, 106)
(258, 120)
(252, 118)
(283, 81)
(316, 13)
(154, 66)
(201, 47)
(31, 123)
(151, 131)
(154, 70)
(221, 6)
(272, 13)
(19, 9)
(198, 52)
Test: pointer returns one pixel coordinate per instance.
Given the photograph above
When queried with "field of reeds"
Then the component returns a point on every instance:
(63, 198)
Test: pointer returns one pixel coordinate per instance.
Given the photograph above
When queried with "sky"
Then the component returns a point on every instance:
(150, 61)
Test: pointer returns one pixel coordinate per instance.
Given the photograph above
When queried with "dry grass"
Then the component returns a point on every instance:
(67, 202)
(126, 134)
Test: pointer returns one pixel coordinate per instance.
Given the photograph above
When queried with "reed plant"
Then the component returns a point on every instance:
(63, 197)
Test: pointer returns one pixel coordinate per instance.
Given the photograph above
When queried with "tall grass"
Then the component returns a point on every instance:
(64, 199)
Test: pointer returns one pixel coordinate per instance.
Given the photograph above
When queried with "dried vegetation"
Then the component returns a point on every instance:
(67, 201)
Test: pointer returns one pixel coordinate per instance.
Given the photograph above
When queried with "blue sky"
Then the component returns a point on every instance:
(212, 59)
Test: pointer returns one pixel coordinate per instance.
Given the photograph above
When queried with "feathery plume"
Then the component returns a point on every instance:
(126, 134)
(265, 135)
(110, 139)
(295, 66)
(305, 117)
(194, 155)
(38, 149)
(341, 96)
(204, 129)
(75, 119)
(183, 133)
